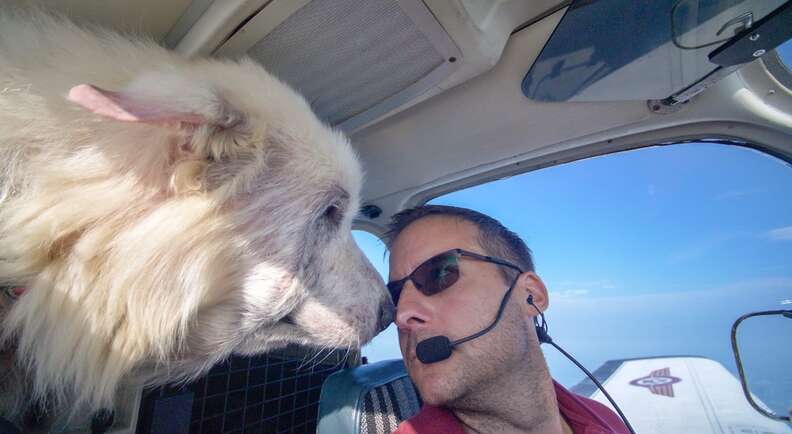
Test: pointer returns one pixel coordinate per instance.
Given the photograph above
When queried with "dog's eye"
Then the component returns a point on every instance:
(333, 214)
(336, 206)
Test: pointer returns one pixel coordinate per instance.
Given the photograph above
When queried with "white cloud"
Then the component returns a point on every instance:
(755, 285)
(567, 293)
(759, 283)
(780, 234)
(700, 248)
(584, 284)
(733, 194)
(579, 288)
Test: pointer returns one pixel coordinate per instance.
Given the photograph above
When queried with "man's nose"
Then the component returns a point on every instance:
(412, 313)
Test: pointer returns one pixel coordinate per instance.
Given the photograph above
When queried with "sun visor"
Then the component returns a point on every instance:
(618, 50)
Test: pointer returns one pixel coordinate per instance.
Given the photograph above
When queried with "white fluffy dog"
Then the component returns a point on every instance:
(161, 213)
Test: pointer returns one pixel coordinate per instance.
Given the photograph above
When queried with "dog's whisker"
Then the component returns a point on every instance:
(315, 354)
(315, 361)
(303, 359)
(329, 353)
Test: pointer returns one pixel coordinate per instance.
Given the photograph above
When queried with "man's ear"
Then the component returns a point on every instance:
(530, 284)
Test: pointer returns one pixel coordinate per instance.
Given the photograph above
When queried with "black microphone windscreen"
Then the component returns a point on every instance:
(434, 349)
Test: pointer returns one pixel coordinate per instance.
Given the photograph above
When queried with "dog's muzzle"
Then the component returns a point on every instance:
(386, 315)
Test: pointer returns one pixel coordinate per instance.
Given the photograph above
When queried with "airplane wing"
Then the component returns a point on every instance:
(678, 394)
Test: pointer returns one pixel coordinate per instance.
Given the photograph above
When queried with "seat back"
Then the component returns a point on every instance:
(7, 427)
(368, 399)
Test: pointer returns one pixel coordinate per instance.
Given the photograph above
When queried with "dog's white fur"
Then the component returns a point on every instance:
(153, 247)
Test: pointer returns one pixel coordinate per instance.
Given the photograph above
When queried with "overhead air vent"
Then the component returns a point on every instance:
(353, 60)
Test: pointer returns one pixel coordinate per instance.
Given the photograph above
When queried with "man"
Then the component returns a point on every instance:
(450, 270)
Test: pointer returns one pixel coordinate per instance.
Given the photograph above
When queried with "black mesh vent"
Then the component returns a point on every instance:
(261, 394)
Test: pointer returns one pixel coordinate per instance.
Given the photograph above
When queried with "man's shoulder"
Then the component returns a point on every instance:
(431, 419)
(582, 412)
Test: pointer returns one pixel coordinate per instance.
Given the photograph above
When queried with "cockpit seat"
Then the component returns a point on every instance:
(368, 399)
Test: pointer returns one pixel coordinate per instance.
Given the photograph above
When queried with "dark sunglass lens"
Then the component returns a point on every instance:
(395, 289)
(437, 274)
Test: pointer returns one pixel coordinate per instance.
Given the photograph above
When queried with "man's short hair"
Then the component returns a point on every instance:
(493, 237)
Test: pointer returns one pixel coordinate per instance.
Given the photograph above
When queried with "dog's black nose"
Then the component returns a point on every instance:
(386, 314)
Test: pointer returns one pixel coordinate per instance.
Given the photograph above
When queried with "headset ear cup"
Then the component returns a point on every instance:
(541, 330)
(544, 338)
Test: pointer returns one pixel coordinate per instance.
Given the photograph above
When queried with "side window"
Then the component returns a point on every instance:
(655, 252)
(374, 249)
(384, 346)
(649, 253)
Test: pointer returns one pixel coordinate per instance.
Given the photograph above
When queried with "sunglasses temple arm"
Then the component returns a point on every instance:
(490, 259)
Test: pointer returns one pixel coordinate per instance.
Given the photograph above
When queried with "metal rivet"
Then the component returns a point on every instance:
(759, 52)
(754, 37)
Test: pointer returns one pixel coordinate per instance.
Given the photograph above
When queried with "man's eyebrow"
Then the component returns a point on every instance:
(411, 268)
(397, 278)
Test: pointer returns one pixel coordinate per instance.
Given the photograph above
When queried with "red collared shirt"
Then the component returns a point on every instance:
(584, 416)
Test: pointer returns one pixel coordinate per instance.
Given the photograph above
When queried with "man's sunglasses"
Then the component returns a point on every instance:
(439, 273)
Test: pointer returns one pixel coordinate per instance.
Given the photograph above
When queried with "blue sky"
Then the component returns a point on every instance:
(658, 249)
(785, 51)
(648, 252)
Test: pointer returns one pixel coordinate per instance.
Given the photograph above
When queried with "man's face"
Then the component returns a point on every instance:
(461, 310)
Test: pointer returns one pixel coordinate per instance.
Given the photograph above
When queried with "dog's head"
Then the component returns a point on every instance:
(178, 217)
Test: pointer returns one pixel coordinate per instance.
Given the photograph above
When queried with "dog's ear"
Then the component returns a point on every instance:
(208, 127)
(195, 108)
